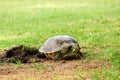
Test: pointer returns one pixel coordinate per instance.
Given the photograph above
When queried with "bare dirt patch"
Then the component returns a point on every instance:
(50, 70)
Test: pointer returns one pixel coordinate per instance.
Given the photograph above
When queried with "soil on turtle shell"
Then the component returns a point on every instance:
(42, 68)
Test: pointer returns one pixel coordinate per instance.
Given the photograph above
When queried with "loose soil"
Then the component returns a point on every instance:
(34, 66)
(21, 54)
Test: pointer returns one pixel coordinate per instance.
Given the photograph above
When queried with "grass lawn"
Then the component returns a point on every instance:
(95, 24)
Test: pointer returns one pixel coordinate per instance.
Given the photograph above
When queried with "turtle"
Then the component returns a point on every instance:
(60, 47)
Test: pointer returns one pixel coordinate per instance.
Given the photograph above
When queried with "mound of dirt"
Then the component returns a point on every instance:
(21, 53)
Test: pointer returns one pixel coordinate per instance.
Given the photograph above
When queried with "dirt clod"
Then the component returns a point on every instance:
(21, 53)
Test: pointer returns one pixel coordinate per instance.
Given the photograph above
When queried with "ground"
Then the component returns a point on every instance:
(51, 70)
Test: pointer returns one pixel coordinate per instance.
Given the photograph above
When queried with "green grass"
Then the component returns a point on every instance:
(95, 24)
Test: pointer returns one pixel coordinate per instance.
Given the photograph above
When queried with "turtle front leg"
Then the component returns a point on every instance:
(80, 53)
(58, 57)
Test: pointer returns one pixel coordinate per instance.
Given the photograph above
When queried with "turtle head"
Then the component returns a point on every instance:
(76, 50)
(71, 49)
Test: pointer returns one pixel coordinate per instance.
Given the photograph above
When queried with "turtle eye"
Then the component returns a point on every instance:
(69, 48)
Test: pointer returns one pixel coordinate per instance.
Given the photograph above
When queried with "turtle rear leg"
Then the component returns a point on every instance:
(41, 55)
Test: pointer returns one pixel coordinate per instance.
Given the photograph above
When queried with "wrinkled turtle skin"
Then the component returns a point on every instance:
(60, 47)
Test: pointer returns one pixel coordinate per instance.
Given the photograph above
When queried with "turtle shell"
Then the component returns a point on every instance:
(58, 45)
